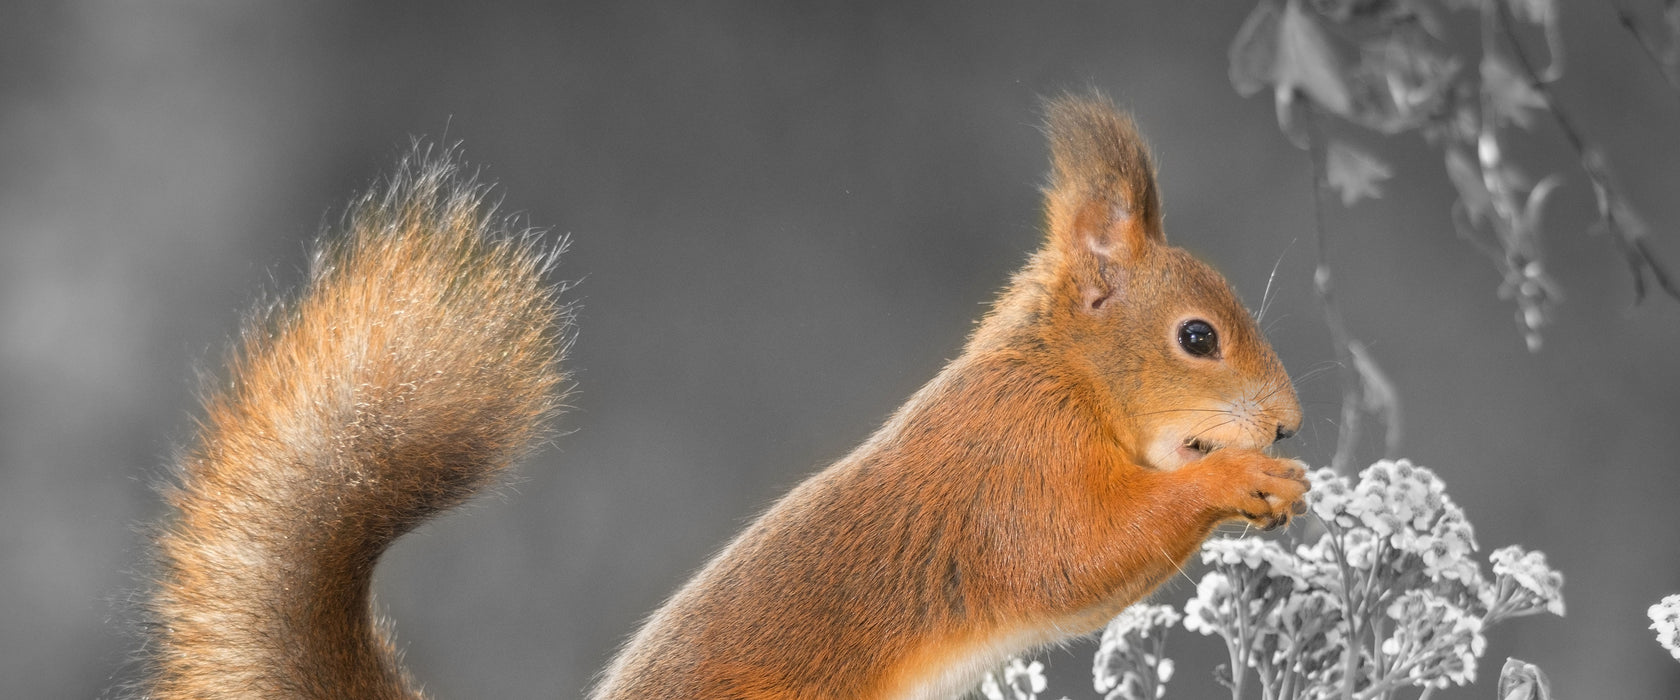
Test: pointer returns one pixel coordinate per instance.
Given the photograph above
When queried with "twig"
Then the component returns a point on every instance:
(1612, 205)
(1625, 17)
(1324, 288)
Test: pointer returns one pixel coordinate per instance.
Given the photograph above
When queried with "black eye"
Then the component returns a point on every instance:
(1198, 338)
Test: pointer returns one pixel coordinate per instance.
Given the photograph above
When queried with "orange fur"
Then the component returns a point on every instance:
(1067, 462)
(420, 360)
(1036, 487)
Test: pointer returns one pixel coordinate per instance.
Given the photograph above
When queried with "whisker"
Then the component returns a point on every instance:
(1197, 428)
(1266, 296)
(1322, 402)
(1181, 571)
(1317, 372)
(1199, 433)
(1181, 410)
(1272, 389)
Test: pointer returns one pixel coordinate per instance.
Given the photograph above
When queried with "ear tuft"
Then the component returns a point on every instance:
(1102, 195)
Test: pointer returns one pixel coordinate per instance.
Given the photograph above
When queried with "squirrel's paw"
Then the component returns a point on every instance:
(1263, 490)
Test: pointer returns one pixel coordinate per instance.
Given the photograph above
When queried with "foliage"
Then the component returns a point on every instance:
(1391, 66)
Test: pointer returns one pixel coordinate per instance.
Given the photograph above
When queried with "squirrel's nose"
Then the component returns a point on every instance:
(1284, 432)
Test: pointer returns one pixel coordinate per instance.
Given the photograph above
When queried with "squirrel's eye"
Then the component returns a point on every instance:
(1198, 338)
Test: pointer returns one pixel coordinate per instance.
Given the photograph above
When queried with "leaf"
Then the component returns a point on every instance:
(1521, 680)
(1466, 177)
(1618, 217)
(1401, 82)
(1306, 61)
(1509, 94)
(1378, 396)
(1542, 12)
(1285, 48)
(1254, 51)
(1545, 14)
(1614, 211)
(1537, 201)
(1355, 173)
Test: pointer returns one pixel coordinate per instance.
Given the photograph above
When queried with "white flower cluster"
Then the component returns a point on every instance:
(1273, 613)
(1524, 585)
(1404, 507)
(1431, 632)
(1021, 681)
(1388, 596)
(1130, 663)
(1665, 619)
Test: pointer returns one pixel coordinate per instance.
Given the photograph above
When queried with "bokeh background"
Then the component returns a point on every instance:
(784, 218)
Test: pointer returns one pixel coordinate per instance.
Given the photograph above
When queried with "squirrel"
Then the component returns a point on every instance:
(1115, 405)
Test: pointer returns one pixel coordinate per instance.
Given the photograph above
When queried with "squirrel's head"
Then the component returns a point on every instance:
(1163, 337)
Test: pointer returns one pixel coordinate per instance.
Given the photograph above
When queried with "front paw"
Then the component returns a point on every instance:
(1263, 490)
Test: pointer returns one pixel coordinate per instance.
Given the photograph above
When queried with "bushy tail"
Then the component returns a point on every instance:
(421, 359)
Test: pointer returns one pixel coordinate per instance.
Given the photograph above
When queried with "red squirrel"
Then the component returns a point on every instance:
(1112, 408)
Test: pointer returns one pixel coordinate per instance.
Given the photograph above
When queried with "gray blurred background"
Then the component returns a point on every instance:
(785, 219)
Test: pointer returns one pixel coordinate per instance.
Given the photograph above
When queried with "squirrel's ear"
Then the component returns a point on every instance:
(1101, 204)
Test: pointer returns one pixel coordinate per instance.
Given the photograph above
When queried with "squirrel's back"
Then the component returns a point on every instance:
(420, 359)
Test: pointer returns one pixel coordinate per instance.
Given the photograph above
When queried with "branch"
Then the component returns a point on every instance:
(1625, 17)
(1616, 216)
(1348, 435)
(1365, 388)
